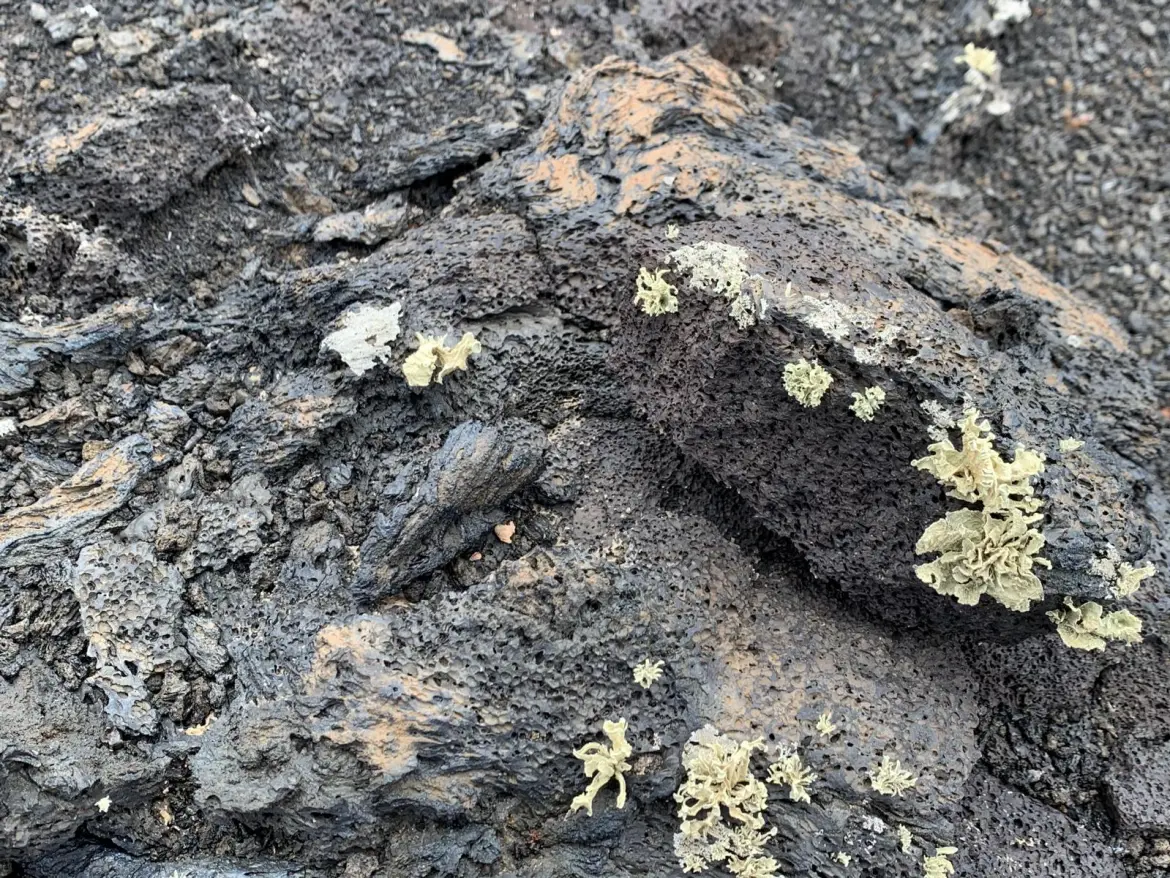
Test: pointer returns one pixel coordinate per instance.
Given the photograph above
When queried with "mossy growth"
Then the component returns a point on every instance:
(866, 403)
(433, 360)
(806, 382)
(1088, 627)
(604, 764)
(655, 295)
(991, 550)
(890, 778)
(721, 807)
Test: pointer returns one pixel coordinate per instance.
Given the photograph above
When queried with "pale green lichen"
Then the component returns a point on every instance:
(433, 360)
(647, 673)
(984, 553)
(714, 267)
(1130, 578)
(843, 858)
(1069, 445)
(752, 867)
(977, 473)
(790, 771)
(889, 778)
(720, 789)
(991, 550)
(604, 764)
(672, 231)
(939, 866)
(1089, 627)
(806, 382)
(982, 60)
(866, 403)
(740, 850)
(363, 335)
(1122, 577)
(655, 295)
(940, 419)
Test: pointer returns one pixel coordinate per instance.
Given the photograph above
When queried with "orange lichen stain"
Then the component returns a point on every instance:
(685, 165)
(305, 412)
(618, 103)
(975, 267)
(569, 185)
(389, 715)
(90, 492)
(834, 161)
(58, 147)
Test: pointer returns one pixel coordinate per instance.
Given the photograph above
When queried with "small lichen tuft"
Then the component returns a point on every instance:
(1067, 446)
(904, 838)
(604, 764)
(825, 724)
(981, 60)
(1130, 578)
(647, 673)
(1122, 577)
(715, 267)
(655, 295)
(1088, 627)
(363, 335)
(806, 382)
(866, 403)
(722, 268)
(889, 778)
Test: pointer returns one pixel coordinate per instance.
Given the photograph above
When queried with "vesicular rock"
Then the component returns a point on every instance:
(477, 469)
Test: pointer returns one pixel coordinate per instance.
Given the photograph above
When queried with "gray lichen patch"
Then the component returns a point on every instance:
(363, 335)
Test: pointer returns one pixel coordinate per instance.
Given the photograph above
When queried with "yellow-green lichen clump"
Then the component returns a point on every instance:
(721, 807)
(654, 294)
(992, 549)
(433, 360)
(1088, 627)
(604, 764)
(866, 403)
(806, 382)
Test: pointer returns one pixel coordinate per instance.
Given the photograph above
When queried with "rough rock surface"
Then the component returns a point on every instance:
(254, 619)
